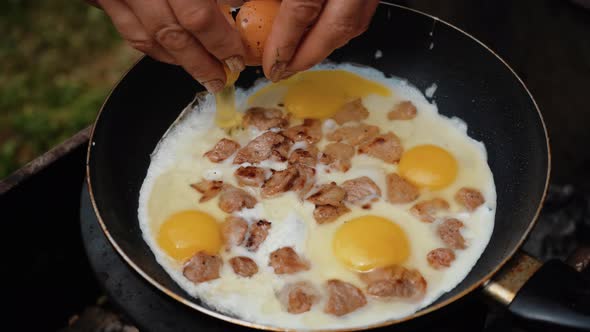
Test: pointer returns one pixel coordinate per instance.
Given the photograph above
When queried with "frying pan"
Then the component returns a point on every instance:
(473, 83)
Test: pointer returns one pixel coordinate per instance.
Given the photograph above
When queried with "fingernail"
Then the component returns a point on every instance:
(235, 63)
(214, 86)
(276, 72)
(287, 74)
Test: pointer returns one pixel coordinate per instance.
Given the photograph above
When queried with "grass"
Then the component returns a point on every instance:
(59, 59)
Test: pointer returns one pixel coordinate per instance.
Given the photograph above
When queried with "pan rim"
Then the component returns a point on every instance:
(417, 314)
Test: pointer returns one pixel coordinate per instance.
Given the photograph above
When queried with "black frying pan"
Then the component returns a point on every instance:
(473, 84)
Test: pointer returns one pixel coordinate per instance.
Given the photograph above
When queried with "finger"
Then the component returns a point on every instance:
(291, 23)
(205, 21)
(232, 3)
(133, 31)
(339, 22)
(161, 23)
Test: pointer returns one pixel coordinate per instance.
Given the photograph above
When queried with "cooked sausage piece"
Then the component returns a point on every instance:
(343, 298)
(250, 176)
(222, 150)
(260, 148)
(265, 118)
(243, 266)
(360, 190)
(305, 180)
(280, 182)
(233, 231)
(298, 297)
(202, 267)
(327, 213)
(440, 258)
(338, 156)
(328, 194)
(286, 261)
(402, 111)
(399, 190)
(395, 281)
(426, 210)
(280, 152)
(354, 135)
(470, 198)
(258, 233)
(351, 111)
(310, 131)
(209, 189)
(234, 199)
(386, 147)
(307, 156)
(450, 232)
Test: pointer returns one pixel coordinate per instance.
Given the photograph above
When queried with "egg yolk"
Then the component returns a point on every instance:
(185, 233)
(369, 242)
(428, 166)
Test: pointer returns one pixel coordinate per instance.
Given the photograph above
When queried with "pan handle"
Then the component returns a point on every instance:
(552, 294)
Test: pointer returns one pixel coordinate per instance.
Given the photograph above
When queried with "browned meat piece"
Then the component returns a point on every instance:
(440, 258)
(307, 157)
(298, 297)
(450, 232)
(250, 176)
(425, 210)
(343, 298)
(260, 148)
(234, 231)
(310, 131)
(265, 118)
(209, 189)
(328, 213)
(361, 190)
(280, 182)
(222, 150)
(338, 156)
(395, 281)
(328, 194)
(305, 180)
(258, 234)
(243, 266)
(470, 198)
(386, 147)
(402, 111)
(399, 190)
(234, 199)
(202, 267)
(354, 135)
(280, 152)
(351, 111)
(286, 261)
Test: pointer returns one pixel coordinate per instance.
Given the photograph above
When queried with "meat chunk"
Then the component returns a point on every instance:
(440, 258)
(280, 182)
(243, 266)
(250, 176)
(280, 152)
(234, 231)
(209, 189)
(307, 157)
(450, 232)
(202, 267)
(402, 111)
(310, 131)
(386, 147)
(222, 150)
(351, 111)
(328, 194)
(361, 190)
(395, 281)
(298, 297)
(343, 298)
(265, 118)
(258, 234)
(470, 198)
(305, 180)
(338, 156)
(354, 135)
(327, 213)
(399, 190)
(234, 199)
(426, 210)
(286, 261)
(261, 148)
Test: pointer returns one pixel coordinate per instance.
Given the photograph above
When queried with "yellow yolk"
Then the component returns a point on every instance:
(428, 166)
(319, 94)
(185, 233)
(369, 242)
